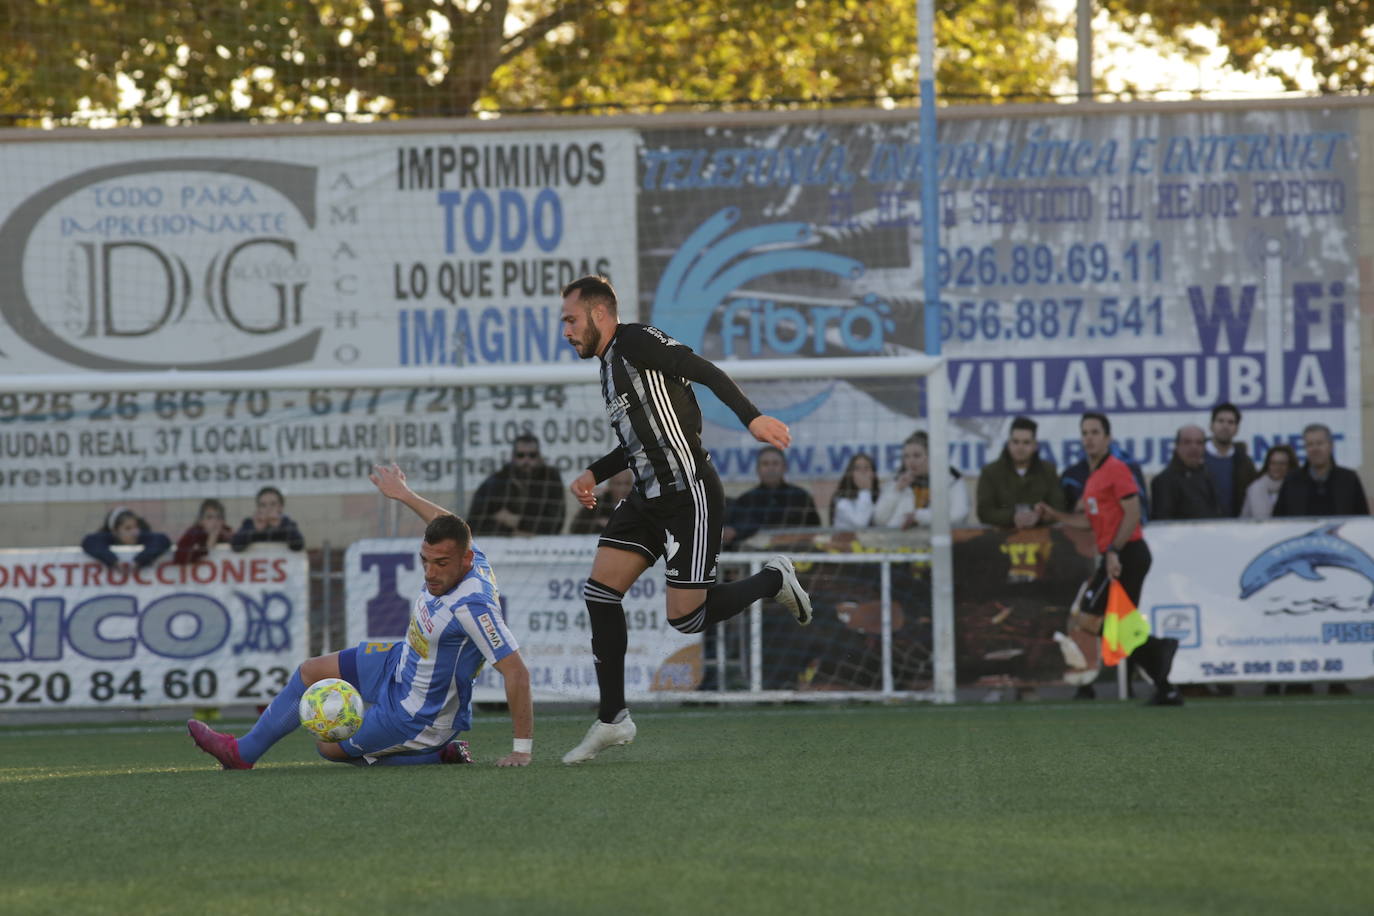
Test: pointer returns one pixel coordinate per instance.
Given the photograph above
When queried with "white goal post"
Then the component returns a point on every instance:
(452, 376)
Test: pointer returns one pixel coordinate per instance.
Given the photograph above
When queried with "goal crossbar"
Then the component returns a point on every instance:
(448, 376)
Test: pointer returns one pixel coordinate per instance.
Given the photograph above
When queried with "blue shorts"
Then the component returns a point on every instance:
(388, 729)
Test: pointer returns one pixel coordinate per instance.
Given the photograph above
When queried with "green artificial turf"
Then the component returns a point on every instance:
(1225, 806)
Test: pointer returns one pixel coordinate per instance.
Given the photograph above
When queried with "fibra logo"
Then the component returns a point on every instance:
(183, 263)
(1302, 555)
(711, 267)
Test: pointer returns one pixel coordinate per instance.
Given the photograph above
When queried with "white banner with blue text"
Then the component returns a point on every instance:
(228, 630)
(1264, 601)
(540, 585)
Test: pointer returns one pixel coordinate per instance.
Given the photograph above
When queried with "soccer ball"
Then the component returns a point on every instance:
(331, 709)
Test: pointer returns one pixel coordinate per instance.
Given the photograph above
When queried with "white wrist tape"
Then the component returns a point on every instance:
(523, 745)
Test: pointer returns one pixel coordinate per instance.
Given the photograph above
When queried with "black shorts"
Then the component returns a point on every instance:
(684, 527)
(1135, 563)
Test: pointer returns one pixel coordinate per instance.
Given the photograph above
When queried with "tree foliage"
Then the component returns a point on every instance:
(66, 61)
(680, 51)
(1336, 37)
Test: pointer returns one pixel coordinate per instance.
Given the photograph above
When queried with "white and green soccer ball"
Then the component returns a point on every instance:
(331, 709)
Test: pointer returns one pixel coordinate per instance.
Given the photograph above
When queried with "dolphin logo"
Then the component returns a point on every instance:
(1302, 555)
(707, 268)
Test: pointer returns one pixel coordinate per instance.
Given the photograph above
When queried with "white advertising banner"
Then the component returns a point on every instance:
(309, 252)
(540, 585)
(1268, 601)
(73, 634)
(1148, 265)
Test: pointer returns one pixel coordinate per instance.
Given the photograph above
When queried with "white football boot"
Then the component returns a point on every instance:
(791, 596)
(601, 736)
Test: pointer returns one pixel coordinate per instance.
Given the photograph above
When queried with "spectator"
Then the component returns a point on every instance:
(856, 496)
(774, 503)
(523, 498)
(268, 523)
(209, 529)
(1185, 489)
(906, 501)
(1076, 476)
(1010, 488)
(1264, 490)
(1227, 461)
(1320, 487)
(593, 521)
(124, 526)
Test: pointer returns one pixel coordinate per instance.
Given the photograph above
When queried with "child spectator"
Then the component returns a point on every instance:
(209, 529)
(124, 526)
(856, 496)
(268, 523)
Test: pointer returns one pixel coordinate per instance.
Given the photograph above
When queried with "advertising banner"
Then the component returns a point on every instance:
(1149, 266)
(540, 584)
(1146, 265)
(74, 634)
(1247, 601)
(1270, 601)
(318, 252)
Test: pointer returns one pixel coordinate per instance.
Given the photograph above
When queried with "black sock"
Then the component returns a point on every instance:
(1151, 657)
(728, 599)
(609, 640)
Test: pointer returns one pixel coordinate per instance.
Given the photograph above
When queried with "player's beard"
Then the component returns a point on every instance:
(590, 344)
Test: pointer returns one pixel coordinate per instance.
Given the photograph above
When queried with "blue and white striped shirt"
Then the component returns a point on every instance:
(426, 684)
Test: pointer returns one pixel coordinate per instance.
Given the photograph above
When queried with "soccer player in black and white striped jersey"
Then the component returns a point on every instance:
(676, 509)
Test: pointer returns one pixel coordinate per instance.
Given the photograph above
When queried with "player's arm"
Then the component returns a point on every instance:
(648, 351)
(604, 468)
(390, 480)
(517, 679)
(1067, 519)
(482, 621)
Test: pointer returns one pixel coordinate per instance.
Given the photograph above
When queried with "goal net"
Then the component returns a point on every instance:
(207, 313)
(464, 438)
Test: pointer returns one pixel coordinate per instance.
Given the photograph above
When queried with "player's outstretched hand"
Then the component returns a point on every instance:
(584, 488)
(771, 430)
(390, 480)
(515, 759)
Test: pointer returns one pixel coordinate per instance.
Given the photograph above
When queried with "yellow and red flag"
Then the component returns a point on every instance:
(1124, 628)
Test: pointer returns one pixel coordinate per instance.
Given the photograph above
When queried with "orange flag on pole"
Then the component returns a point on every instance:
(1124, 628)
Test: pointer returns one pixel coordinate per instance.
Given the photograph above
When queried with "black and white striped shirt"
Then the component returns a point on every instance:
(646, 380)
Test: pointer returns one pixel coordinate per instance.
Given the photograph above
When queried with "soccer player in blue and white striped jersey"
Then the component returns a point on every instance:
(419, 689)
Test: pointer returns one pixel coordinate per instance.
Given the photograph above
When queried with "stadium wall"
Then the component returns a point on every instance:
(1165, 235)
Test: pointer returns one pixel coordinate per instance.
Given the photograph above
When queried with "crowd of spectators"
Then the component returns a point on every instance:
(1206, 477)
(1209, 475)
(125, 527)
